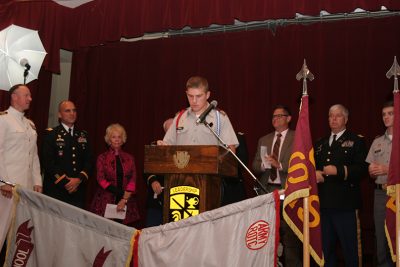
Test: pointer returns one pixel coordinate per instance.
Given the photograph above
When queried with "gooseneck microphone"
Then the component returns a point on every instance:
(203, 115)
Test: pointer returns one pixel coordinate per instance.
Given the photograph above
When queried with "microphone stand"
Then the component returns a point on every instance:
(224, 145)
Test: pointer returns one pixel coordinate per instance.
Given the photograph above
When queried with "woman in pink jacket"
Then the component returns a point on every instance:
(116, 175)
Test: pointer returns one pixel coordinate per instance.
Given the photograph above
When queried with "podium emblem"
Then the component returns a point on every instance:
(181, 159)
(184, 202)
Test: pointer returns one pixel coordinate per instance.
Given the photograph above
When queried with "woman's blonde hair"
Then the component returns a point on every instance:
(115, 127)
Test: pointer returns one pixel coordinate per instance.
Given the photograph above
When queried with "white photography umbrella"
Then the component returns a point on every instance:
(21, 56)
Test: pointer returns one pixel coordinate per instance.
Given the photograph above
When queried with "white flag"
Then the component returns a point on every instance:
(5, 217)
(240, 234)
(48, 232)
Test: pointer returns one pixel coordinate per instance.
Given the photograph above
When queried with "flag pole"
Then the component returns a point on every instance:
(395, 71)
(306, 233)
(397, 225)
(305, 74)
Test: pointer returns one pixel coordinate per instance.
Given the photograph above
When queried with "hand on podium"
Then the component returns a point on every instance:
(161, 143)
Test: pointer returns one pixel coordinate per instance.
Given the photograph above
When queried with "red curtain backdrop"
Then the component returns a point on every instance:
(141, 84)
(102, 21)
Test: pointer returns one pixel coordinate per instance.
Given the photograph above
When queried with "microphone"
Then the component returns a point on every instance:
(203, 115)
(25, 63)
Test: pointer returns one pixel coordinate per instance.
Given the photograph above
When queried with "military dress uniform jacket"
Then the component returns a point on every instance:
(19, 161)
(340, 191)
(64, 156)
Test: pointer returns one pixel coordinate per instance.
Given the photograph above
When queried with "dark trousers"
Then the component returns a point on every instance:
(292, 246)
(383, 258)
(3, 253)
(339, 225)
(154, 217)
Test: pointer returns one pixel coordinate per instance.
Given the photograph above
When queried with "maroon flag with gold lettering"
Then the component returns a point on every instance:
(393, 179)
(301, 182)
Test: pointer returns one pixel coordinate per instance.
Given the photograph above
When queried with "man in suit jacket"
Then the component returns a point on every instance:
(66, 158)
(272, 169)
(280, 121)
(340, 164)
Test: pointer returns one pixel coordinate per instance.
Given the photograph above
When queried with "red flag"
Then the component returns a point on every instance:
(302, 182)
(393, 179)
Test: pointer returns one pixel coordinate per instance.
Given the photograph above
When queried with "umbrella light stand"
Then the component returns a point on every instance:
(26, 71)
(21, 52)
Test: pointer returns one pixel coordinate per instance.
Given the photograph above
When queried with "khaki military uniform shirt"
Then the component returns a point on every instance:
(380, 152)
(187, 132)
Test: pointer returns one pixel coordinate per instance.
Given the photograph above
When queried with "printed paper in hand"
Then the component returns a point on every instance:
(263, 153)
(112, 213)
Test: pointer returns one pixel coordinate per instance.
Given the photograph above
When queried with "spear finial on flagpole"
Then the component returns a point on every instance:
(304, 74)
(394, 71)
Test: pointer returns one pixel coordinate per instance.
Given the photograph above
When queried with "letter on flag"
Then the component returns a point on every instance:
(46, 232)
(393, 179)
(301, 182)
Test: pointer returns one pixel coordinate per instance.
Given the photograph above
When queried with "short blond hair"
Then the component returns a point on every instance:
(115, 127)
(197, 82)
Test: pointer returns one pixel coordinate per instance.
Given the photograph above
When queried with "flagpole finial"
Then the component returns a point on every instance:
(304, 74)
(394, 71)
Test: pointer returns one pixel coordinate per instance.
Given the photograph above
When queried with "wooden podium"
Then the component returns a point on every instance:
(192, 177)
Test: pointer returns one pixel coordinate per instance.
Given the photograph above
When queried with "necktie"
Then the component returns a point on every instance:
(334, 139)
(275, 155)
(70, 131)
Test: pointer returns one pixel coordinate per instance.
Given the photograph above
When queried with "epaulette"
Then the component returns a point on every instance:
(360, 135)
(240, 133)
(177, 113)
(222, 112)
(3, 112)
(32, 124)
(49, 129)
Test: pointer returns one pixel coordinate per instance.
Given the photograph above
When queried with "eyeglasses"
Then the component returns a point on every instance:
(279, 116)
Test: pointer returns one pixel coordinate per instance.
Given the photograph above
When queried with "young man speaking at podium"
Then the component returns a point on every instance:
(187, 195)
